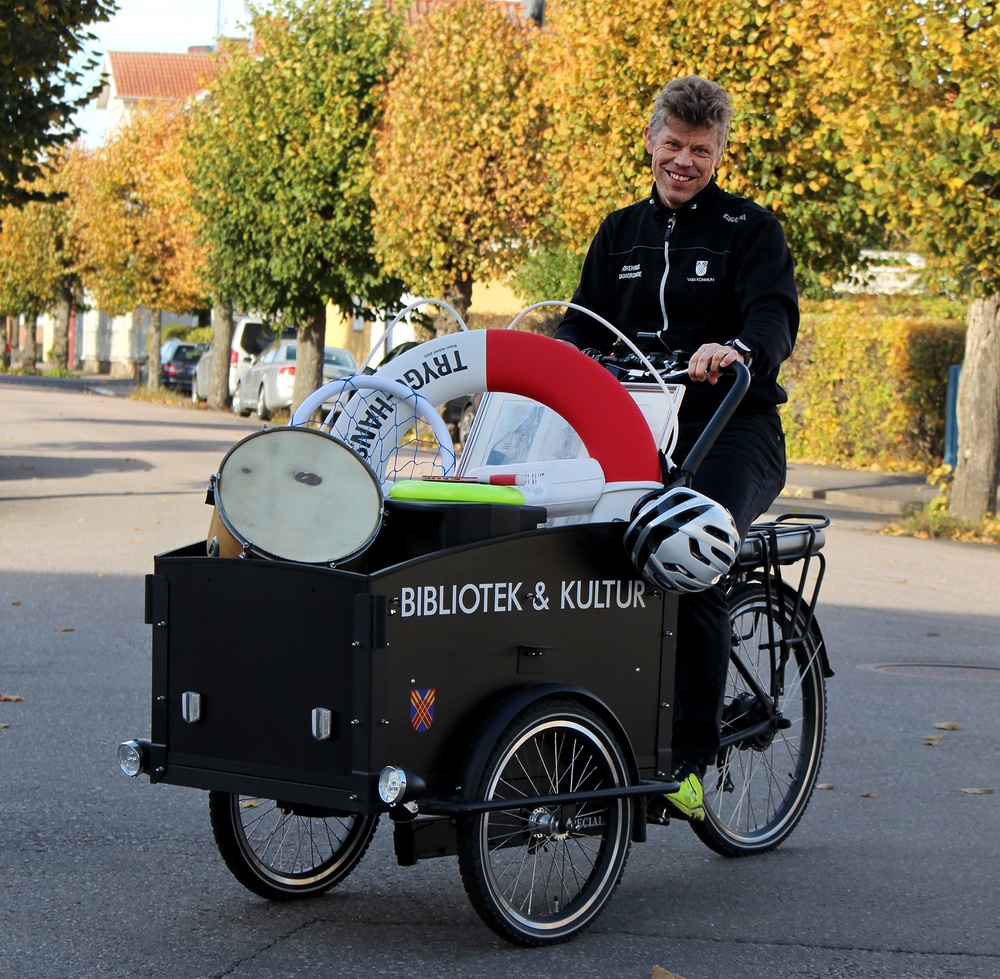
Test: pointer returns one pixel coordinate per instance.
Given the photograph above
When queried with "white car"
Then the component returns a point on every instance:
(268, 382)
(250, 337)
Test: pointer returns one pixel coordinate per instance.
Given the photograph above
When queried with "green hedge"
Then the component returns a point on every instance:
(867, 381)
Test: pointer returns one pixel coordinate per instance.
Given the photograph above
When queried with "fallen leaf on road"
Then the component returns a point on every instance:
(932, 739)
(659, 973)
(978, 791)
(11, 698)
(15, 603)
(826, 785)
(869, 795)
(66, 628)
(948, 726)
(4, 726)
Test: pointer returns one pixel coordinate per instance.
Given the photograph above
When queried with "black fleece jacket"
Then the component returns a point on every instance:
(714, 269)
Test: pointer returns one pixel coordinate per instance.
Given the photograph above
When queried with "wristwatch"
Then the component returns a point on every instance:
(737, 344)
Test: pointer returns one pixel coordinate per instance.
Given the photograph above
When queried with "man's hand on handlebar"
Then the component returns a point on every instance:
(710, 359)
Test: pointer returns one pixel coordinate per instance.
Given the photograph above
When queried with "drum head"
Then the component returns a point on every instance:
(298, 494)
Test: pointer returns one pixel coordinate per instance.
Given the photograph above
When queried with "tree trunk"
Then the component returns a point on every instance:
(459, 296)
(309, 356)
(15, 340)
(222, 342)
(29, 349)
(154, 337)
(974, 492)
(60, 327)
(5, 342)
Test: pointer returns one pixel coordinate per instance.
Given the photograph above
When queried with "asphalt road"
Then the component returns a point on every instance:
(892, 872)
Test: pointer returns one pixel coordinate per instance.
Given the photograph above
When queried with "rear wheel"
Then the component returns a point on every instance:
(239, 408)
(771, 745)
(283, 852)
(537, 874)
(262, 411)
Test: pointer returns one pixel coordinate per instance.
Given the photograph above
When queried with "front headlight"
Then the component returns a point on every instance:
(396, 785)
(133, 757)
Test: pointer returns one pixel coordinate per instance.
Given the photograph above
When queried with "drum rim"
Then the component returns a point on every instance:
(247, 546)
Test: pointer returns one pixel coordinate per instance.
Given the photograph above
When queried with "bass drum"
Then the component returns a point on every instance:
(294, 494)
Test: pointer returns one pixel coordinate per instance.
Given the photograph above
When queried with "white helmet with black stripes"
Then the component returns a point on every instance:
(680, 540)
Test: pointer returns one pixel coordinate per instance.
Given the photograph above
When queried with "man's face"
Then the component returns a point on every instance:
(684, 159)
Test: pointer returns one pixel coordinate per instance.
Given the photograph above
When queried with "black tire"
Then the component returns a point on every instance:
(282, 854)
(568, 859)
(468, 416)
(762, 784)
(238, 407)
(262, 412)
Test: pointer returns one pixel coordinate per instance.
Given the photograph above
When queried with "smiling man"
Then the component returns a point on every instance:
(711, 274)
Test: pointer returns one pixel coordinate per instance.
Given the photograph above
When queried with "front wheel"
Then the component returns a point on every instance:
(773, 730)
(537, 874)
(283, 852)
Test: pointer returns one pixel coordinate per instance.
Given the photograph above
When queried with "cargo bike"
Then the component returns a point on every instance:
(474, 656)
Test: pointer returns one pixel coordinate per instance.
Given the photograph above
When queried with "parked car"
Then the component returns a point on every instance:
(250, 337)
(168, 347)
(459, 414)
(268, 382)
(177, 371)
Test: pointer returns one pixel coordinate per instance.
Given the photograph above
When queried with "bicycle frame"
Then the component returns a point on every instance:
(791, 539)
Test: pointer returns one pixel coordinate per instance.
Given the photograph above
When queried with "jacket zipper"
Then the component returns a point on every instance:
(672, 220)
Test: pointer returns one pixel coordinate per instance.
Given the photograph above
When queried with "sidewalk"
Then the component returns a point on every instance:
(888, 493)
(95, 383)
(881, 493)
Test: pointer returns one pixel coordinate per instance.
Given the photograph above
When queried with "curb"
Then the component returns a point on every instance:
(104, 386)
(855, 500)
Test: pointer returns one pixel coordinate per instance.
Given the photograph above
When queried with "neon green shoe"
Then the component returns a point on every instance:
(689, 799)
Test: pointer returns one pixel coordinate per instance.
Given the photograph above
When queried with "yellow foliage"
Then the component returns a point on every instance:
(135, 220)
(457, 173)
(867, 382)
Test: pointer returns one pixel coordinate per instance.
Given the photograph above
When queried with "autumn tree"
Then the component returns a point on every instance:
(38, 257)
(782, 65)
(923, 146)
(279, 161)
(137, 227)
(458, 170)
(43, 62)
(27, 263)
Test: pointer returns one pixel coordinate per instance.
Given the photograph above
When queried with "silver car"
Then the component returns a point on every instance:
(268, 381)
(250, 337)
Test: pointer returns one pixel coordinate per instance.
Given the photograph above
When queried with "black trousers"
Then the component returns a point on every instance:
(744, 471)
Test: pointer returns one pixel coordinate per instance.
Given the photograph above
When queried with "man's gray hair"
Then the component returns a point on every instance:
(693, 101)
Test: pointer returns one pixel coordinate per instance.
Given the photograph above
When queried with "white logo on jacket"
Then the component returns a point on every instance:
(630, 272)
(700, 268)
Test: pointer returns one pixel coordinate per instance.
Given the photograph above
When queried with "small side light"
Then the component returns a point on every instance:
(391, 785)
(133, 758)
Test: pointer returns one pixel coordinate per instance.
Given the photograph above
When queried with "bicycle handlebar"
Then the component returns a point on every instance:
(672, 366)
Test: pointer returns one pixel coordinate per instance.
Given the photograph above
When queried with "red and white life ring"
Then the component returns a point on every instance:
(553, 373)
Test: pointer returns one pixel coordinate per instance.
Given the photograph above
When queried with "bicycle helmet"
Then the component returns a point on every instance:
(680, 540)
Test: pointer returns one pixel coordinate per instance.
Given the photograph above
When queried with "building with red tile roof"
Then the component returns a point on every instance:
(135, 77)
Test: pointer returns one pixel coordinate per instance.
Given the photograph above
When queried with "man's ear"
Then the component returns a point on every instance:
(649, 142)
